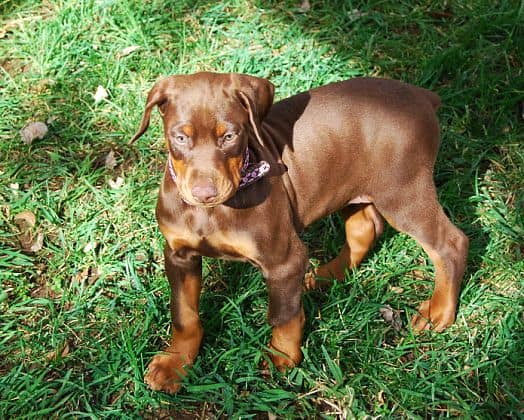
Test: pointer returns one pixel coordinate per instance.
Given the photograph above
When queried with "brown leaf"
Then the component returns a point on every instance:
(94, 275)
(26, 240)
(51, 119)
(88, 273)
(110, 160)
(127, 51)
(81, 275)
(66, 350)
(397, 290)
(380, 398)
(38, 243)
(408, 357)
(32, 131)
(60, 352)
(44, 291)
(392, 317)
(26, 221)
(441, 14)
(355, 14)
(305, 6)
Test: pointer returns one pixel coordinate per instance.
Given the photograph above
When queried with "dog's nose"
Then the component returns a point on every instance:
(204, 192)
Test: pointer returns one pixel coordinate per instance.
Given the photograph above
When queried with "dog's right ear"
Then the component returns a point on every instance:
(157, 96)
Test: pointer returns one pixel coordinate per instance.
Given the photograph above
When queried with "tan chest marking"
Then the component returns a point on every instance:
(228, 243)
(234, 243)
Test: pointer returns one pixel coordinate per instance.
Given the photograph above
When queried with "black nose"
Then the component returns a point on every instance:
(204, 192)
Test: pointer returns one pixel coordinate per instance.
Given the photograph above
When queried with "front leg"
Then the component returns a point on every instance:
(166, 370)
(286, 314)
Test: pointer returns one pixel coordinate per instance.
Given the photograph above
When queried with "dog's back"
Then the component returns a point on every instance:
(370, 129)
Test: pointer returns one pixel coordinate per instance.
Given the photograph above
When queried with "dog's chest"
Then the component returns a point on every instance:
(210, 241)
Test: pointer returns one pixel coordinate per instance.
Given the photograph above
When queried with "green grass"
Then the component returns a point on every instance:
(78, 324)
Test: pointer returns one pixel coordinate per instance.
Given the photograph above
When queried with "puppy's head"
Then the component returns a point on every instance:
(208, 121)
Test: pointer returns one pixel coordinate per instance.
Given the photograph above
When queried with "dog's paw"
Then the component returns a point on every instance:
(310, 282)
(314, 281)
(432, 317)
(281, 360)
(165, 372)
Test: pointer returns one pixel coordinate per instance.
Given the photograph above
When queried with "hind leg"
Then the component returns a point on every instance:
(363, 225)
(420, 215)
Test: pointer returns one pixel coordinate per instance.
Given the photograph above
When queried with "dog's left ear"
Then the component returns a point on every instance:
(256, 95)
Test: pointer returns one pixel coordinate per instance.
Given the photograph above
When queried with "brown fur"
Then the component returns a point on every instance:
(364, 147)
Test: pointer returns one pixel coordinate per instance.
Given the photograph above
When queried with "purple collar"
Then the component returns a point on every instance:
(250, 172)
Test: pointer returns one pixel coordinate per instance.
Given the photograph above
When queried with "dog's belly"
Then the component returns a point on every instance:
(329, 183)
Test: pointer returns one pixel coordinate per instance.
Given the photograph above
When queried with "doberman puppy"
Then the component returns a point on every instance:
(244, 176)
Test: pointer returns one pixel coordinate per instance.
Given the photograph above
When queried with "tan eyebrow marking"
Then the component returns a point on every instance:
(188, 130)
(220, 129)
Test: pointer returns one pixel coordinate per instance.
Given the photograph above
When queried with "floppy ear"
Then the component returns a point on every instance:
(157, 96)
(256, 95)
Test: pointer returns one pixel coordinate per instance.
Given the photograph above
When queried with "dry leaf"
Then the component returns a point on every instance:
(110, 160)
(117, 183)
(3, 295)
(65, 350)
(355, 14)
(25, 221)
(94, 275)
(100, 94)
(89, 246)
(26, 240)
(60, 351)
(44, 291)
(128, 50)
(14, 186)
(408, 357)
(380, 398)
(392, 317)
(305, 6)
(397, 290)
(82, 275)
(51, 119)
(32, 131)
(37, 244)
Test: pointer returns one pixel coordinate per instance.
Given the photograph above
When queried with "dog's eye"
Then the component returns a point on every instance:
(229, 137)
(181, 139)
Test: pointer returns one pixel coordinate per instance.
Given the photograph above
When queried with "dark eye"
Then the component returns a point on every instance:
(181, 139)
(229, 137)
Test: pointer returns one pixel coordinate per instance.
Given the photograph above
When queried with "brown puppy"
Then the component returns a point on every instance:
(244, 177)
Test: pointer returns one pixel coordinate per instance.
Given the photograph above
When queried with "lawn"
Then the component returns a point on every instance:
(83, 296)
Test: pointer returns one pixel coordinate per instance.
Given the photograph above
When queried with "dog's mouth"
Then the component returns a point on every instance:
(203, 187)
(212, 187)
(209, 204)
(207, 193)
